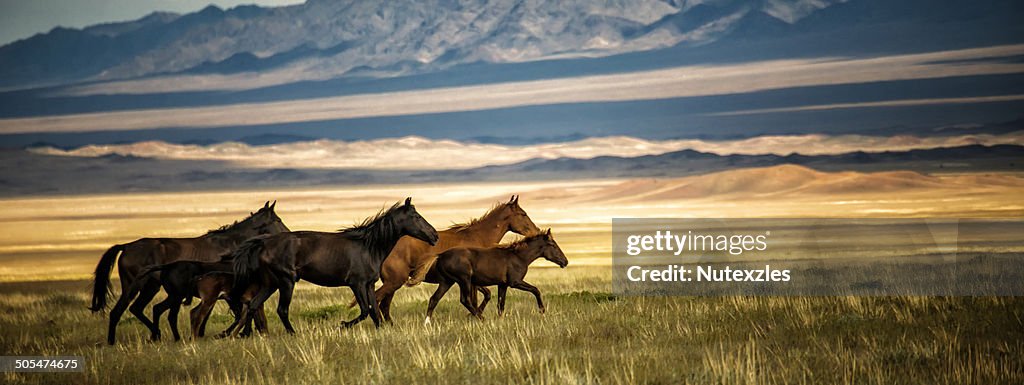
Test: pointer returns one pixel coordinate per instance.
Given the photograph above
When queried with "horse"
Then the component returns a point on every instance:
(350, 257)
(409, 260)
(181, 281)
(213, 286)
(141, 253)
(505, 266)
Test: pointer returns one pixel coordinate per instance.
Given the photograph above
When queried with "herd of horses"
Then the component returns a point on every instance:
(246, 262)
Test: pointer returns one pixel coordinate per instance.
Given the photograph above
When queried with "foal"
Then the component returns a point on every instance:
(216, 285)
(179, 279)
(504, 266)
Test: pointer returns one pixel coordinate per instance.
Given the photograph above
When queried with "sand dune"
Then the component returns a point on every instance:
(786, 181)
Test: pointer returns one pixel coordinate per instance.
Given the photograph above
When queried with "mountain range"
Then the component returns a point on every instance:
(321, 39)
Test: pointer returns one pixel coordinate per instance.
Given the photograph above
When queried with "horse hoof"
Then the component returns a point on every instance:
(426, 321)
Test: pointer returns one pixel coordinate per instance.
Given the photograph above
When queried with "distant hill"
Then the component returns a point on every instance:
(788, 181)
(689, 162)
(31, 174)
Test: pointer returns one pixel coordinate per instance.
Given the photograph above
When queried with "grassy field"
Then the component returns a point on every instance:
(588, 336)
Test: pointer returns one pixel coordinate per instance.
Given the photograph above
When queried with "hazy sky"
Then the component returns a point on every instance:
(23, 18)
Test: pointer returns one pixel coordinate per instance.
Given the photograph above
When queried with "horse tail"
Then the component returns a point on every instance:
(421, 271)
(101, 278)
(246, 261)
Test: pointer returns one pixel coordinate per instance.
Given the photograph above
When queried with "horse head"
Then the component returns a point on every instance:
(265, 220)
(544, 246)
(516, 218)
(409, 222)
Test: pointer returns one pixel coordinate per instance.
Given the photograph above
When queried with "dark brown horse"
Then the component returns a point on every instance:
(351, 257)
(145, 252)
(215, 286)
(505, 266)
(409, 260)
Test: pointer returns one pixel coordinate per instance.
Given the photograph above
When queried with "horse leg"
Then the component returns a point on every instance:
(255, 303)
(283, 302)
(172, 318)
(363, 299)
(532, 289)
(442, 289)
(472, 298)
(374, 308)
(487, 298)
(385, 295)
(138, 308)
(247, 328)
(393, 274)
(193, 319)
(198, 317)
(466, 297)
(158, 311)
(127, 295)
(237, 311)
(261, 321)
(502, 291)
(206, 317)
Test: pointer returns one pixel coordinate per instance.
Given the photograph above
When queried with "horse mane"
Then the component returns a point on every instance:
(519, 243)
(375, 231)
(228, 227)
(466, 225)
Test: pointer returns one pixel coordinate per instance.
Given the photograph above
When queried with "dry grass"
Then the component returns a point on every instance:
(587, 337)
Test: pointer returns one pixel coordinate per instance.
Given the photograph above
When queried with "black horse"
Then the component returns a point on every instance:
(350, 257)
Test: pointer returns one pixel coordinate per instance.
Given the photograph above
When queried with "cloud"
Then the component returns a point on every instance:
(689, 81)
(887, 103)
(421, 153)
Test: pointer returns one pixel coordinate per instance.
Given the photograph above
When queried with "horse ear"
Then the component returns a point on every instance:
(408, 201)
(273, 204)
(265, 205)
(548, 232)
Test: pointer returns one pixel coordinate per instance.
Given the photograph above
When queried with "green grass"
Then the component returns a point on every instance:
(588, 336)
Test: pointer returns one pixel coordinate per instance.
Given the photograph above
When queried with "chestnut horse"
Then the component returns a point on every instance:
(145, 252)
(505, 266)
(408, 264)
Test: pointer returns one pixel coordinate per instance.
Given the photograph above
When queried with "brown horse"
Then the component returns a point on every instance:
(505, 266)
(351, 257)
(214, 286)
(408, 263)
(145, 252)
